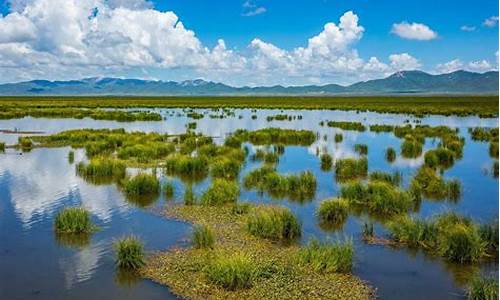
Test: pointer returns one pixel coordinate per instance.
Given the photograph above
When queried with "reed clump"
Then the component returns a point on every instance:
(142, 184)
(71, 157)
(274, 223)
(482, 288)
(168, 189)
(356, 126)
(332, 213)
(186, 166)
(74, 220)
(333, 257)
(390, 154)
(236, 271)
(203, 237)
(351, 168)
(428, 183)
(440, 157)
(220, 192)
(411, 147)
(269, 136)
(101, 169)
(361, 149)
(338, 137)
(226, 168)
(377, 197)
(393, 178)
(448, 235)
(129, 253)
(326, 162)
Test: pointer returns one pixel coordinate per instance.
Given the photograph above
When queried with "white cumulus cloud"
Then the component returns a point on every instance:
(491, 21)
(413, 31)
(403, 62)
(451, 66)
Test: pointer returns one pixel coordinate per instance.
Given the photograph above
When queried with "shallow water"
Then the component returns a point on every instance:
(35, 185)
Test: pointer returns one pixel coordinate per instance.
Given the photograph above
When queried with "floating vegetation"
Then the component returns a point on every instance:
(333, 213)
(194, 115)
(377, 197)
(326, 162)
(142, 184)
(268, 136)
(356, 126)
(429, 184)
(203, 237)
(129, 253)
(73, 220)
(448, 235)
(220, 192)
(390, 154)
(274, 223)
(338, 137)
(482, 288)
(274, 269)
(327, 257)
(296, 187)
(393, 178)
(351, 168)
(361, 149)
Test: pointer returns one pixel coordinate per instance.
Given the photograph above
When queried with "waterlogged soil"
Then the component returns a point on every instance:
(34, 186)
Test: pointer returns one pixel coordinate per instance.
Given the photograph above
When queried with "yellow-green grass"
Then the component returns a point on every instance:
(74, 220)
(129, 253)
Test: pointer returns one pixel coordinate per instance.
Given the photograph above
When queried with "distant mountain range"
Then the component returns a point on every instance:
(405, 82)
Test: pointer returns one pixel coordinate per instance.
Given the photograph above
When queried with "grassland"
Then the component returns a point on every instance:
(486, 106)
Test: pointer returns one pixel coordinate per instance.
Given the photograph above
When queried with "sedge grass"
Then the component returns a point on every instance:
(74, 220)
(274, 223)
(129, 252)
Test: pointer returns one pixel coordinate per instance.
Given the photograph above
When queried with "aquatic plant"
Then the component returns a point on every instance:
(381, 128)
(361, 149)
(440, 157)
(221, 191)
(73, 220)
(129, 253)
(427, 182)
(326, 161)
(203, 237)
(71, 157)
(489, 234)
(187, 166)
(25, 143)
(357, 126)
(269, 136)
(394, 178)
(333, 212)
(142, 184)
(377, 197)
(482, 288)
(390, 154)
(189, 196)
(101, 169)
(351, 168)
(448, 235)
(168, 189)
(224, 167)
(241, 208)
(338, 137)
(327, 257)
(2, 147)
(236, 271)
(274, 223)
(411, 148)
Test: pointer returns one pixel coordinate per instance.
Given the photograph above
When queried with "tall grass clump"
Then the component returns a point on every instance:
(189, 196)
(101, 168)
(338, 137)
(390, 154)
(351, 168)
(225, 168)
(142, 184)
(129, 253)
(168, 189)
(333, 257)
(411, 148)
(71, 157)
(448, 235)
(357, 126)
(2, 147)
(440, 157)
(333, 212)
(394, 178)
(274, 223)
(326, 161)
(186, 166)
(361, 149)
(482, 288)
(221, 192)
(428, 183)
(73, 220)
(203, 237)
(377, 197)
(25, 143)
(236, 271)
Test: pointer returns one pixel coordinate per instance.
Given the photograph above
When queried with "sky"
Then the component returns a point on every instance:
(244, 42)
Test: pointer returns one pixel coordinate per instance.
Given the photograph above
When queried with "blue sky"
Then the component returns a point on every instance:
(264, 42)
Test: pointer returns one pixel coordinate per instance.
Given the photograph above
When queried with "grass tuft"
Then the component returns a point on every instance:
(73, 220)
(129, 253)
(327, 257)
(274, 223)
(231, 272)
(203, 237)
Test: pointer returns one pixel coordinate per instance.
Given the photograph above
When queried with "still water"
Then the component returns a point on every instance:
(36, 264)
